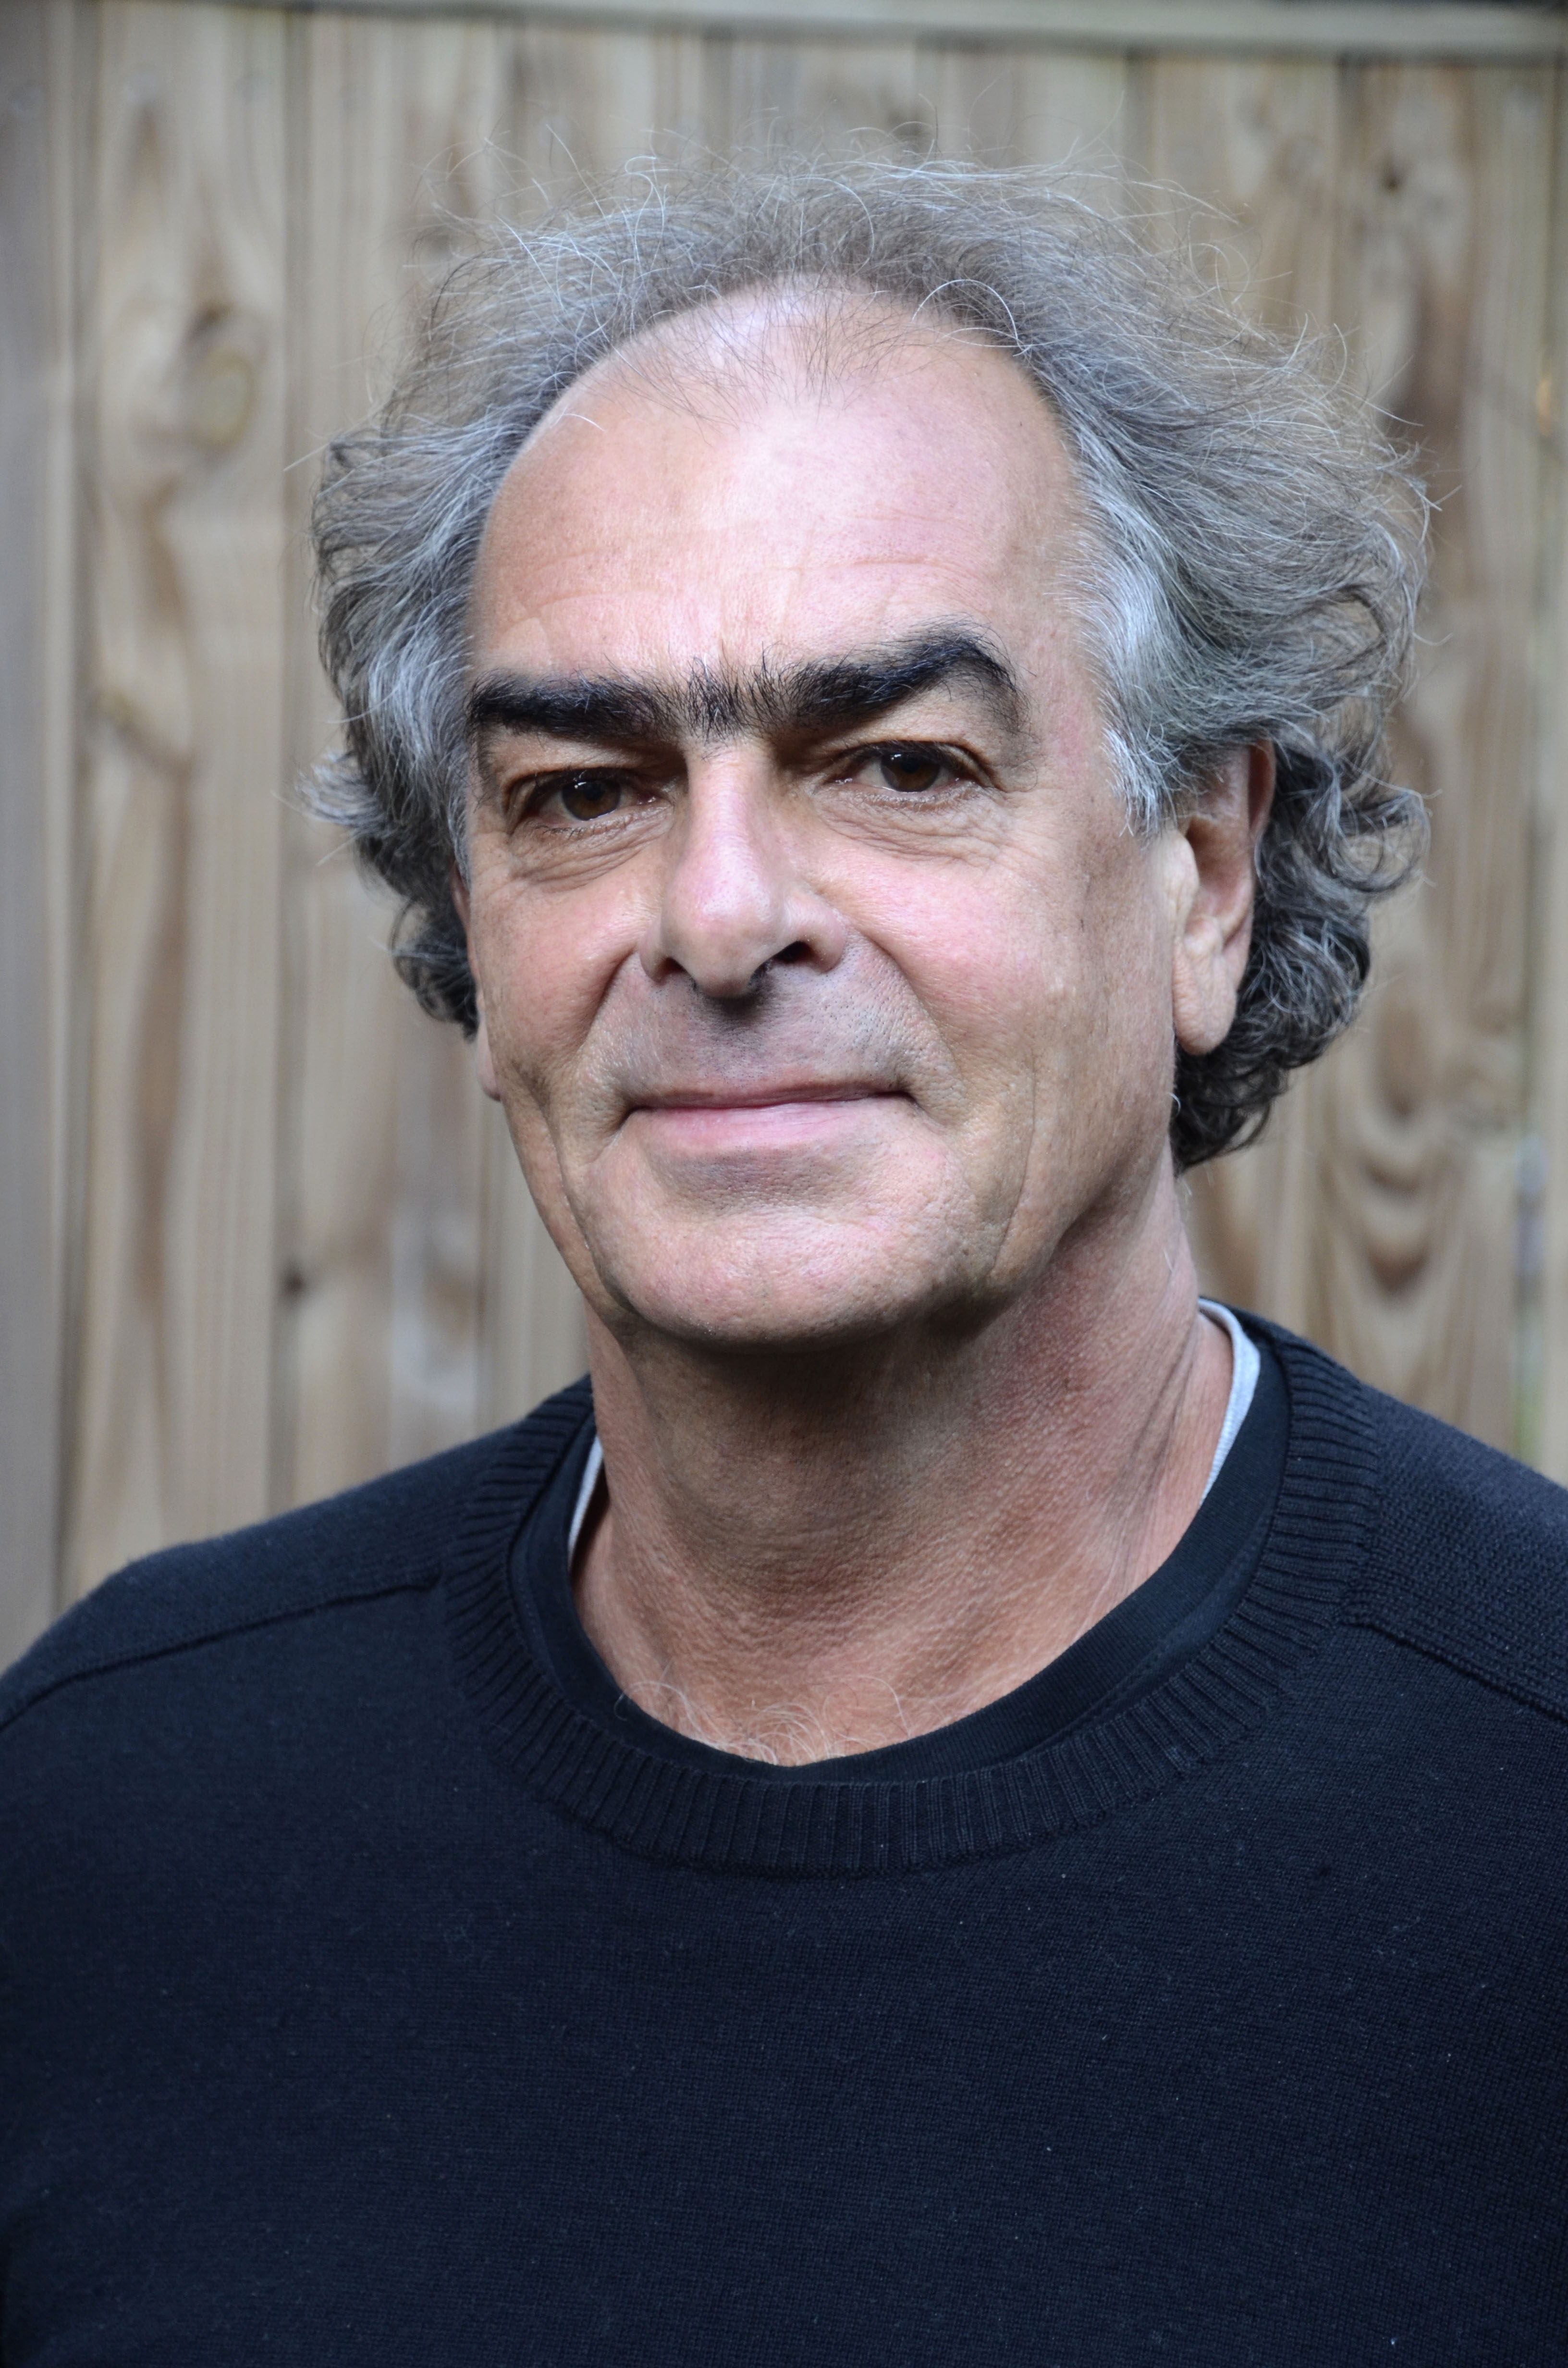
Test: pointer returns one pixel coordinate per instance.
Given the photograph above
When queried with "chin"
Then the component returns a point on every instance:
(779, 1294)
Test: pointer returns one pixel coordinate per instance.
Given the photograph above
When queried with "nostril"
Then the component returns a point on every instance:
(799, 952)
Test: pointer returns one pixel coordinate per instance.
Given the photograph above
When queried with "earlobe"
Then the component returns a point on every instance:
(1205, 981)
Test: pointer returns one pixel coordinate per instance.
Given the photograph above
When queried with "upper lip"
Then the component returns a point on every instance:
(757, 1097)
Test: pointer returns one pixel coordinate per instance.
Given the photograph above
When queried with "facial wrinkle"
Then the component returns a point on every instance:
(794, 1023)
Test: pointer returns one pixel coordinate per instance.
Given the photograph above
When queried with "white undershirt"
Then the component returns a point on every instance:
(1245, 1361)
(591, 1471)
(1244, 1382)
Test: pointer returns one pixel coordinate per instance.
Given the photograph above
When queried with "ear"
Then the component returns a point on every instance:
(483, 1060)
(1214, 879)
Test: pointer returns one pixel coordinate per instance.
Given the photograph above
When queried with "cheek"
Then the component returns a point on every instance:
(1030, 966)
(545, 964)
(1004, 990)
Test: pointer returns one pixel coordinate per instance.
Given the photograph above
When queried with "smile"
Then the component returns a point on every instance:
(792, 1113)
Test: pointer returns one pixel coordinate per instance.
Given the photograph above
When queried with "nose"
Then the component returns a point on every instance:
(733, 898)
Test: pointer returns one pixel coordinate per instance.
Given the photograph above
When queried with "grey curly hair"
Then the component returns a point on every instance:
(1257, 569)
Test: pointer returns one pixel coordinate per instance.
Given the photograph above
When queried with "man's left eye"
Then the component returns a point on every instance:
(911, 768)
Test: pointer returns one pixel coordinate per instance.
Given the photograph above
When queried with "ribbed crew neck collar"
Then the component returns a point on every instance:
(838, 1825)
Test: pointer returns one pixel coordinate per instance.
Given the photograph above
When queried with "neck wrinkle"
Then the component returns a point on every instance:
(800, 1573)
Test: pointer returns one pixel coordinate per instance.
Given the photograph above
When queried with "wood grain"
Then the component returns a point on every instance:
(182, 766)
(383, 1349)
(835, 95)
(1377, 1212)
(1544, 1199)
(1029, 106)
(259, 1235)
(1257, 142)
(583, 103)
(41, 88)
(1445, 270)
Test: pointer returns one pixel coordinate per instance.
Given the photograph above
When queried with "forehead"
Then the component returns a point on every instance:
(776, 478)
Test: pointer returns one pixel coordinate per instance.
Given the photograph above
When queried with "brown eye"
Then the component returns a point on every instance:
(588, 796)
(910, 768)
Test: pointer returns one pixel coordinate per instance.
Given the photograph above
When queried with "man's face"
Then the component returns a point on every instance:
(822, 980)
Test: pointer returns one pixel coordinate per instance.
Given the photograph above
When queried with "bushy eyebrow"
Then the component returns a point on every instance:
(811, 695)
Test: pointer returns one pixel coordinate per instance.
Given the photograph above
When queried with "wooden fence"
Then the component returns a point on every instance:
(259, 1236)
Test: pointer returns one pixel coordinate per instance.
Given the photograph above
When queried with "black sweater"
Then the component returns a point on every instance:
(374, 1991)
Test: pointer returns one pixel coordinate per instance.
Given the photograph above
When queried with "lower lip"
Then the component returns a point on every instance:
(718, 1127)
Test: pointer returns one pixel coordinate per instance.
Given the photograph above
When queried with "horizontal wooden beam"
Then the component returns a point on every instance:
(1474, 29)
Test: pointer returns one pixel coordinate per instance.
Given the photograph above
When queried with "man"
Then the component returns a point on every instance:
(958, 1806)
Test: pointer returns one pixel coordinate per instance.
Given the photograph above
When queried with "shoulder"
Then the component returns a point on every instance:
(1466, 1550)
(387, 1537)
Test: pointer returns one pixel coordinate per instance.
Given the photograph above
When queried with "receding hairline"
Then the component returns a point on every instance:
(797, 335)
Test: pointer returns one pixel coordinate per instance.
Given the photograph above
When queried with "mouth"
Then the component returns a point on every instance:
(783, 1113)
(780, 1094)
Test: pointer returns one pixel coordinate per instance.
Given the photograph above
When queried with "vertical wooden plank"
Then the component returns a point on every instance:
(1443, 265)
(40, 152)
(585, 102)
(412, 1316)
(1543, 1212)
(1259, 142)
(183, 774)
(379, 1342)
(1377, 1214)
(1028, 105)
(828, 97)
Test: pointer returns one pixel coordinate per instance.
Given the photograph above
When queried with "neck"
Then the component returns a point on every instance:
(811, 1556)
